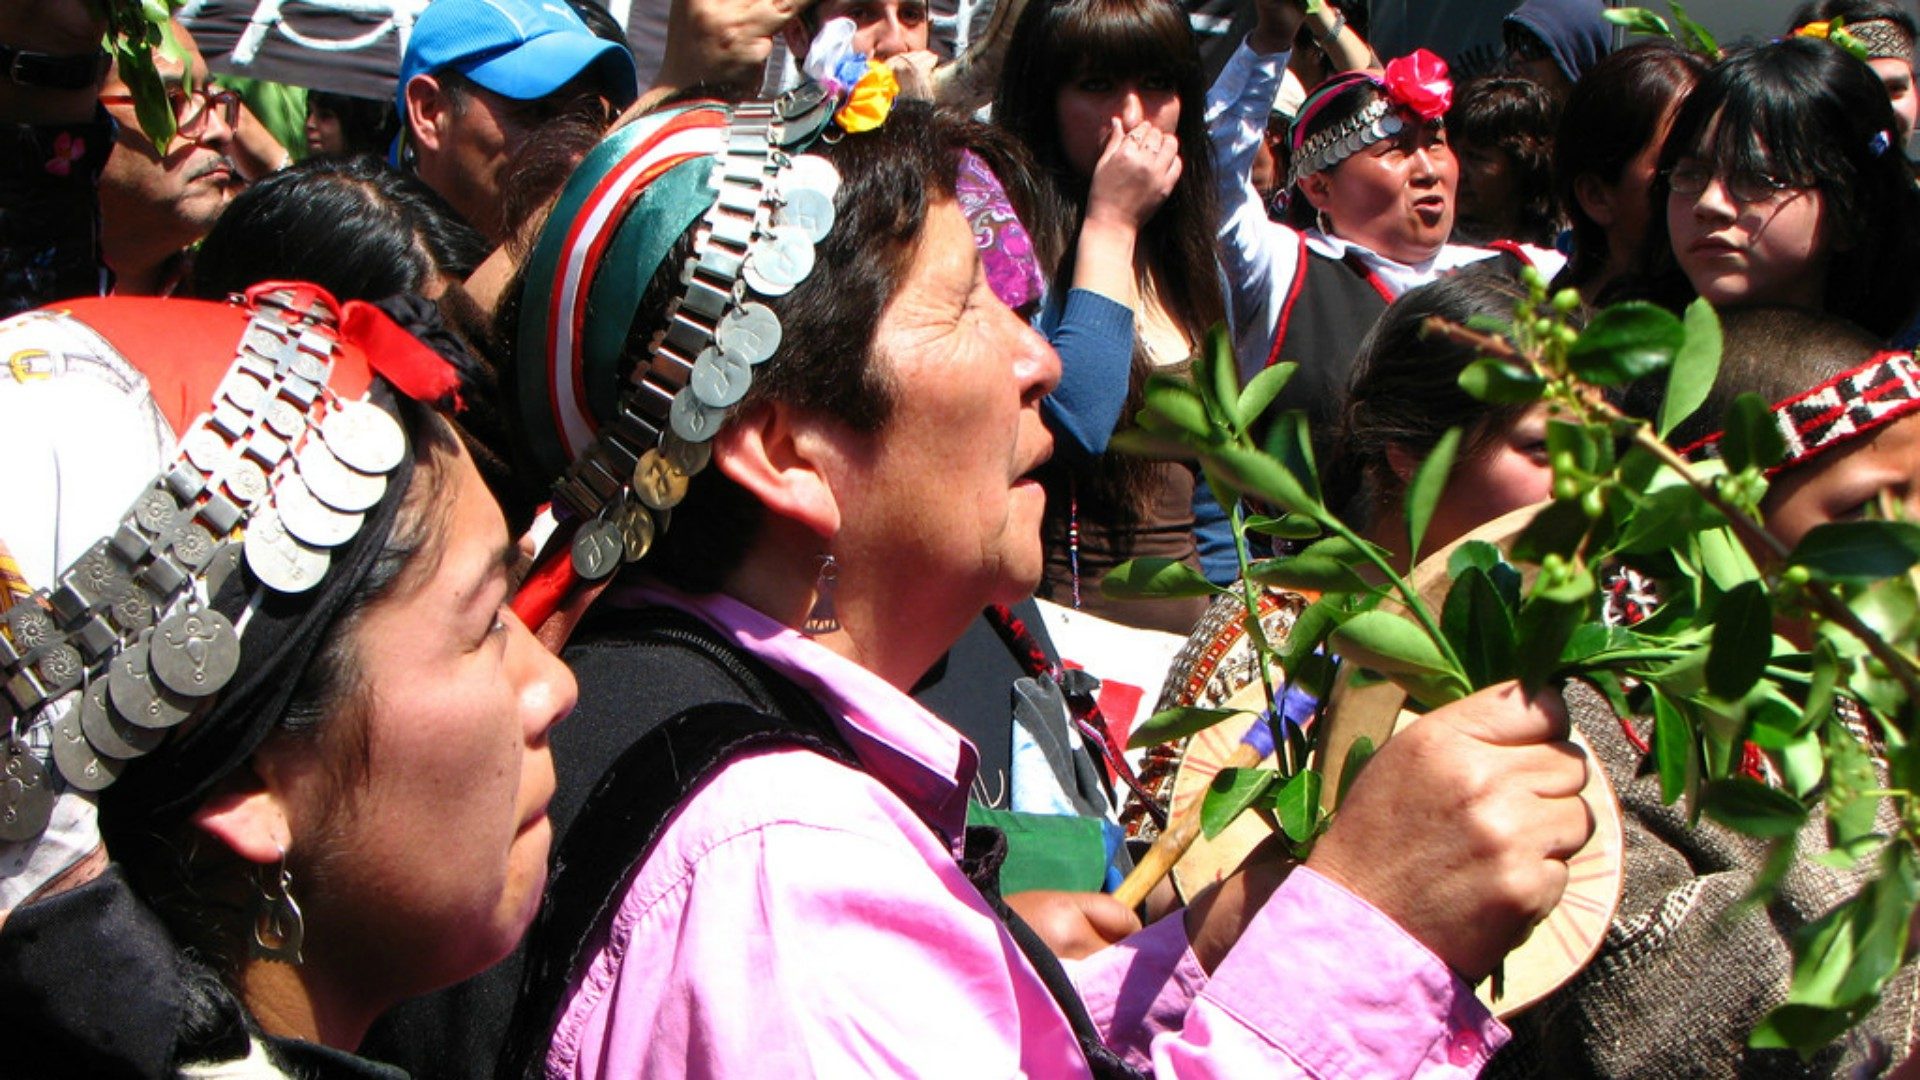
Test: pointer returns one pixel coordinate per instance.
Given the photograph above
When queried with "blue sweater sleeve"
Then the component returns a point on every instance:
(1094, 337)
(1213, 536)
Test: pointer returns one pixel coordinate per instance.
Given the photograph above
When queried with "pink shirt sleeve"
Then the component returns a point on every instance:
(796, 919)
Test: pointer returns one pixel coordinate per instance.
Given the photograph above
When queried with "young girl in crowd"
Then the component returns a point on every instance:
(1502, 131)
(320, 751)
(1108, 98)
(1611, 131)
(1782, 183)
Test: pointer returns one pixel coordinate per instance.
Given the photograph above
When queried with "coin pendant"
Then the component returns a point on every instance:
(194, 653)
(204, 447)
(285, 418)
(193, 545)
(311, 521)
(657, 483)
(76, 759)
(29, 626)
(361, 434)
(807, 210)
(246, 481)
(636, 529)
(334, 483)
(155, 510)
(26, 797)
(60, 668)
(778, 261)
(750, 331)
(110, 734)
(597, 550)
(282, 563)
(720, 378)
(131, 689)
(691, 419)
(687, 457)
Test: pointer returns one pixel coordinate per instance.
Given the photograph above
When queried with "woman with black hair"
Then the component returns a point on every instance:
(351, 225)
(1611, 131)
(1090, 87)
(1781, 183)
(286, 676)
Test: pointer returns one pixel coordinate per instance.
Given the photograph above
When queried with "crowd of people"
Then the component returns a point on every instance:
(550, 576)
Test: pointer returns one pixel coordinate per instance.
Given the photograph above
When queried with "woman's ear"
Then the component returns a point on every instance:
(246, 815)
(1318, 188)
(1401, 463)
(786, 461)
(1595, 198)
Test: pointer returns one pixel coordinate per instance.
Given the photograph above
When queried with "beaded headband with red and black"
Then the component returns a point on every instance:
(1845, 407)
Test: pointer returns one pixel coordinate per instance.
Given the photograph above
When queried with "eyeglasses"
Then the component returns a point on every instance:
(191, 109)
(1744, 186)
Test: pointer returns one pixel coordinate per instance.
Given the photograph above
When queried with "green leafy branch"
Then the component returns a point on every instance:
(135, 29)
(1703, 662)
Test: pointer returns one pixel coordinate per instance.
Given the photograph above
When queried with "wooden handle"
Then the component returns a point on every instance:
(1174, 841)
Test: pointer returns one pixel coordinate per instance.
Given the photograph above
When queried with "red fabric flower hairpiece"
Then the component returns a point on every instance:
(1418, 83)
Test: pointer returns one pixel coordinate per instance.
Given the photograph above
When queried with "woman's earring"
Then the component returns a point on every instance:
(823, 619)
(1321, 219)
(278, 927)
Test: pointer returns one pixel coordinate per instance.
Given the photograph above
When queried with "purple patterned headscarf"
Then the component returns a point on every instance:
(1006, 250)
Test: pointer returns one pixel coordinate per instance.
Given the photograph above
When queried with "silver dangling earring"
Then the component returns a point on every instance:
(1321, 219)
(278, 927)
(823, 619)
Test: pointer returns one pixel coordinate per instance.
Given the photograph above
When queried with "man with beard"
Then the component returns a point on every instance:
(157, 201)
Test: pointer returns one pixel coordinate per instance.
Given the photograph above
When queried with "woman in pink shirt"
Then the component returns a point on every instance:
(801, 470)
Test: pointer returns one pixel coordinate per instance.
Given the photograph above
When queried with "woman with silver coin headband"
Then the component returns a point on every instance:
(794, 434)
(284, 673)
(1370, 208)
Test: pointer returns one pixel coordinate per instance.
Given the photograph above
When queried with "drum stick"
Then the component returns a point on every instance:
(1177, 837)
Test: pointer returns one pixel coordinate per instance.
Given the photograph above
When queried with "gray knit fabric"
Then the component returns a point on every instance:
(1686, 970)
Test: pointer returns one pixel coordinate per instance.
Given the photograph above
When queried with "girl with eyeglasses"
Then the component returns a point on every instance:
(1782, 184)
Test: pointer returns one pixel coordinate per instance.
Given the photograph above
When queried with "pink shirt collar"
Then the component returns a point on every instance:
(910, 750)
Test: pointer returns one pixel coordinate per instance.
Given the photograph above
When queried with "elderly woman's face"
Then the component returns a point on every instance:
(430, 866)
(944, 506)
(1396, 196)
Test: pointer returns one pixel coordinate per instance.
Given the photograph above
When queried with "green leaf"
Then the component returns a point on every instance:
(1393, 645)
(1542, 631)
(1290, 443)
(1223, 371)
(1175, 723)
(1693, 34)
(1179, 404)
(1260, 392)
(1695, 367)
(1153, 446)
(1429, 480)
(1625, 342)
(1298, 806)
(1477, 620)
(1742, 641)
(1858, 550)
(1752, 435)
(1359, 752)
(1286, 526)
(1726, 562)
(1753, 808)
(1661, 520)
(1637, 21)
(1556, 530)
(1314, 573)
(1138, 579)
(1259, 474)
(1498, 382)
(1675, 754)
(1231, 791)
(1574, 588)
(1850, 810)
(1805, 1028)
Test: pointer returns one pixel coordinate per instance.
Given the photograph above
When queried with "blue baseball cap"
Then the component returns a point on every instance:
(520, 49)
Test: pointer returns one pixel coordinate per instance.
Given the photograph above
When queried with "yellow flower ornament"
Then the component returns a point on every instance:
(871, 100)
